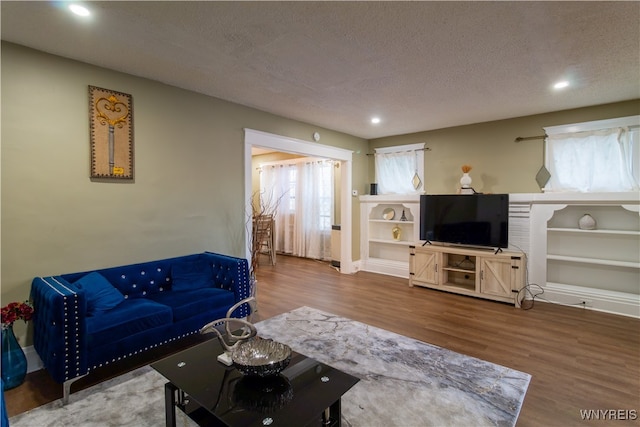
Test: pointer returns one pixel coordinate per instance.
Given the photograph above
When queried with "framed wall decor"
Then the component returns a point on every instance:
(111, 134)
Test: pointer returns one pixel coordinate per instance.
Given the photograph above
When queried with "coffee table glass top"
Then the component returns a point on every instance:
(295, 397)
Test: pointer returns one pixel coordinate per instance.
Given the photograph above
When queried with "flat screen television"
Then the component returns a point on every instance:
(470, 220)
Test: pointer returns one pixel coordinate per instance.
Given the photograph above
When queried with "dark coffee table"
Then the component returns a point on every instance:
(306, 393)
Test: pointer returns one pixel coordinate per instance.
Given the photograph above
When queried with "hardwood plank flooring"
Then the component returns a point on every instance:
(579, 359)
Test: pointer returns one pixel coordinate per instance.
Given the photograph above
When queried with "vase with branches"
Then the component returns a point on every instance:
(264, 208)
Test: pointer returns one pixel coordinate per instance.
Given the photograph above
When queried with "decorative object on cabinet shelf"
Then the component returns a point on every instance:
(397, 233)
(403, 217)
(388, 214)
(587, 222)
(374, 189)
(465, 181)
(465, 264)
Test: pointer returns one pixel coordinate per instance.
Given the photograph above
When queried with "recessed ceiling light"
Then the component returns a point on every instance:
(375, 120)
(79, 10)
(561, 85)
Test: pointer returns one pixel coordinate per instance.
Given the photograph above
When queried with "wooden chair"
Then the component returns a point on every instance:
(264, 236)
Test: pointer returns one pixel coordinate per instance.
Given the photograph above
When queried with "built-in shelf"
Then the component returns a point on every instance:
(578, 230)
(602, 265)
(391, 221)
(461, 270)
(595, 261)
(381, 251)
(391, 242)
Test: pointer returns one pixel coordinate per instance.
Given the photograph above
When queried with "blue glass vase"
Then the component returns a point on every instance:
(14, 362)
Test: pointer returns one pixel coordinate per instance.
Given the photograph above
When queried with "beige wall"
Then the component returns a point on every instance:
(188, 191)
(499, 164)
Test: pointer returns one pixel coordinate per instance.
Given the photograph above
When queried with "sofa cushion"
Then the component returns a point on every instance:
(189, 275)
(100, 294)
(128, 318)
(187, 304)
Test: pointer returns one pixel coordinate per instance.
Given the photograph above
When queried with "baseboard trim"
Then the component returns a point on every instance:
(621, 303)
(388, 267)
(34, 363)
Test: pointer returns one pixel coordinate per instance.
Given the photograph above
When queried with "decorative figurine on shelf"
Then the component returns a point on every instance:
(403, 217)
(396, 232)
(587, 222)
(465, 181)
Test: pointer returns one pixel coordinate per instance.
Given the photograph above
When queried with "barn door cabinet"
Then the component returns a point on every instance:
(474, 272)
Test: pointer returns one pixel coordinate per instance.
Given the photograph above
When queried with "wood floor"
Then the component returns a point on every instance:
(579, 359)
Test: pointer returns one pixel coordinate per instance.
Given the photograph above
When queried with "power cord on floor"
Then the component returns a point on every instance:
(527, 289)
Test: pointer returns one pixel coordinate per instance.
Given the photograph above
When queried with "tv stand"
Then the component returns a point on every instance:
(498, 276)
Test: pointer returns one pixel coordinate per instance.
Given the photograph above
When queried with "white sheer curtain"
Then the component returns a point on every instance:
(314, 208)
(590, 161)
(305, 214)
(400, 169)
(276, 187)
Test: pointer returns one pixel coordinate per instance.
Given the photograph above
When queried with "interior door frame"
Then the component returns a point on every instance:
(297, 146)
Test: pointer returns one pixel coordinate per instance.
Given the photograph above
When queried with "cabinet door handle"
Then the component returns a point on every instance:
(436, 268)
(481, 274)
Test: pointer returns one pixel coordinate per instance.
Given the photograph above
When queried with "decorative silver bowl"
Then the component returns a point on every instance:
(261, 357)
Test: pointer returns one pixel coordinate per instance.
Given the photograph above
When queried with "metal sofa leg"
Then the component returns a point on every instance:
(66, 388)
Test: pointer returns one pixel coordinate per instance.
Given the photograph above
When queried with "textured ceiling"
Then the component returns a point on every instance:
(417, 65)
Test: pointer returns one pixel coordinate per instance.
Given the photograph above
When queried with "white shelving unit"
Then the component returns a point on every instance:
(380, 251)
(587, 258)
(600, 267)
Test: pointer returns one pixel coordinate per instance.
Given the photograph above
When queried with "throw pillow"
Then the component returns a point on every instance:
(101, 295)
(189, 275)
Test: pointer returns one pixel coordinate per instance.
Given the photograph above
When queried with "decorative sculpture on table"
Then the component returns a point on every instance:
(251, 355)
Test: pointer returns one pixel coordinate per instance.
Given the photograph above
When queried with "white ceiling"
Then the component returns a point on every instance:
(417, 65)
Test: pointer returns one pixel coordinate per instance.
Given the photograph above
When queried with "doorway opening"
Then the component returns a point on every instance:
(254, 138)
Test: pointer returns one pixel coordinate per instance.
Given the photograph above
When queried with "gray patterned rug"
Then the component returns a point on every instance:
(404, 382)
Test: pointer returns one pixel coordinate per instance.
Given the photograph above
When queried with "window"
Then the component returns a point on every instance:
(400, 169)
(599, 156)
(304, 218)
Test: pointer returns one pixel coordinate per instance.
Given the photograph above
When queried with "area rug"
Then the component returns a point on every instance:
(132, 399)
(403, 382)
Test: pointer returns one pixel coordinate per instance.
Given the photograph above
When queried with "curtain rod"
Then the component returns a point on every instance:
(396, 152)
(528, 138)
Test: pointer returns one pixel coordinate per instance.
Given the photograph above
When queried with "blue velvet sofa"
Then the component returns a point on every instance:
(86, 320)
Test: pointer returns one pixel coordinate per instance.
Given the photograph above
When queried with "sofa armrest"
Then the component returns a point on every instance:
(59, 325)
(232, 274)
